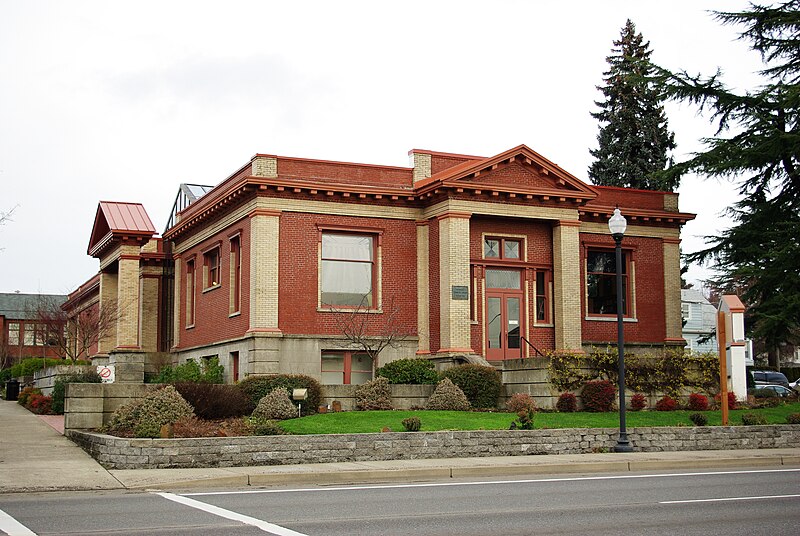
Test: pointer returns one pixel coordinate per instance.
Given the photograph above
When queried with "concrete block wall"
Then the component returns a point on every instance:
(45, 378)
(90, 405)
(124, 453)
(403, 396)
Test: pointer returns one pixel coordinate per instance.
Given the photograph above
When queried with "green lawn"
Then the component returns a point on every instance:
(350, 422)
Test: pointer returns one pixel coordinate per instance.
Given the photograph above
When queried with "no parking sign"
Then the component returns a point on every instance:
(106, 372)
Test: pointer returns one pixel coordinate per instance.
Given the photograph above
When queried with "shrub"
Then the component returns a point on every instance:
(26, 393)
(567, 403)
(480, 384)
(667, 403)
(762, 393)
(214, 400)
(793, 418)
(191, 371)
(40, 404)
(145, 417)
(698, 402)
(410, 371)
(412, 424)
(257, 387)
(275, 406)
(448, 396)
(638, 402)
(520, 402)
(598, 395)
(194, 427)
(732, 402)
(263, 427)
(698, 419)
(524, 420)
(60, 386)
(374, 395)
(750, 419)
(29, 365)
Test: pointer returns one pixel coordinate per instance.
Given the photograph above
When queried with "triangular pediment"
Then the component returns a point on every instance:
(116, 222)
(519, 169)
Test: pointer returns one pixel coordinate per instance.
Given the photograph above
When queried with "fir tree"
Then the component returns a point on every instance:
(634, 139)
(757, 143)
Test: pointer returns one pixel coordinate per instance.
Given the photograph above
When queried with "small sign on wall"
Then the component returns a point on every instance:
(460, 292)
(106, 372)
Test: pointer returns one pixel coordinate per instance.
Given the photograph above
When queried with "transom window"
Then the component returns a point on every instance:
(346, 368)
(502, 248)
(348, 270)
(601, 282)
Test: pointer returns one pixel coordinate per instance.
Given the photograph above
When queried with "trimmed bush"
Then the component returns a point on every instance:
(520, 402)
(448, 396)
(481, 385)
(275, 406)
(209, 372)
(412, 424)
(60, 386)
(257, 387)
(667, 404)
(409, 371)
(214, 400)
(263, 427)
(698, 419)
(26, 393)
(752, 419)
(145, 417)
(567, 403)
(793, 418)
(638, 402)
(40, 404)
(374, 395)
(732, 402)
(598, 395)
(698, 402)
(524, 420)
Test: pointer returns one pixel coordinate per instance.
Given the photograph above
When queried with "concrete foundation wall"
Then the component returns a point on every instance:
(90, 405)
(403, 396)
(121, 453)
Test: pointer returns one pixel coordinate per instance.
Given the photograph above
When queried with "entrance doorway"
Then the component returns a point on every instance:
(504, 310)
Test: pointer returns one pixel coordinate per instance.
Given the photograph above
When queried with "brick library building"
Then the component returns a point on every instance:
(461, 258)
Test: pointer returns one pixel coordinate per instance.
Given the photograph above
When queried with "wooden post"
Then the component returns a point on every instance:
(723, 367)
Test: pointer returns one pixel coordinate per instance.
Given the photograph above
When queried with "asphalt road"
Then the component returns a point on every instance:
(711, 502)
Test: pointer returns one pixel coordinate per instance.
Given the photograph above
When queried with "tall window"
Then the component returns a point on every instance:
(542, 297)
(346, 368)
(601, 282)
(348, 270)
(235, 275)
(211, 269)
(190, 292)
(13, 334)
(29, 331)
(502, 248)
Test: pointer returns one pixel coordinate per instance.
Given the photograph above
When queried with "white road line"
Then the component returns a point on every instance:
(227, 514)
(12, 527)
(723, 499)
(485, 483)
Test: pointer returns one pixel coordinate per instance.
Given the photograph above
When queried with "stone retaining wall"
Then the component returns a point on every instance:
(122, 453)
(45, 378)
(90, 405)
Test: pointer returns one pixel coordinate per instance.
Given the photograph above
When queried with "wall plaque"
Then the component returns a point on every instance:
(460, 292)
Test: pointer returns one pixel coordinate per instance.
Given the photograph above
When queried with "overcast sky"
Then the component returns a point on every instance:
(123, 101)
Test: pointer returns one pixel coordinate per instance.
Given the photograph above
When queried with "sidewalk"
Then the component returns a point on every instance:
(35, 457)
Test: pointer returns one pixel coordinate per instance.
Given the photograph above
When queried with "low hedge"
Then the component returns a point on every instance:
(257, 387)
(480, 384)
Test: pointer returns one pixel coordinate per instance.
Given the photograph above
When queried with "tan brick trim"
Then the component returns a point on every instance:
(454, 270)
(632, 230)
(176, 303)
(500, 209)
(423, 287)
(264, 254)
(422, 166)
(566, 287)
(672, 290)
(265, 166)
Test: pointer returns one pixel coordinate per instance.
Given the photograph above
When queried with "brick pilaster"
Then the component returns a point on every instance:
(423, 289)
(108, 302)
(264, 229)
(128, 297)
(567, 285)
(672, 290)
(454, 272)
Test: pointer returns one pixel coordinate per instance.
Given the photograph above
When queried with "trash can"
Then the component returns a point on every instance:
(12, 389)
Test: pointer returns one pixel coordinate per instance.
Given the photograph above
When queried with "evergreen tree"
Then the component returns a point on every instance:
(634, 139)
(757, 143)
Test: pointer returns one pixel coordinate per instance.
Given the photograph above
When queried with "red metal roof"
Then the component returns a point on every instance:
(126, 217)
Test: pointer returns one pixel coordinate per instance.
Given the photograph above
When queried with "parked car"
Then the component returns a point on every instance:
(776, 390)
(795, 385)
(767, 377)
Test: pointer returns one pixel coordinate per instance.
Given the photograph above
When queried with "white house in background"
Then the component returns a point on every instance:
(700, 320)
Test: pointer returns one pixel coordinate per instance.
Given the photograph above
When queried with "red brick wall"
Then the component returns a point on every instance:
(440, 162)
(298, 266)
(628, 197)
(648, 254)
(342, 172)
(212, 322)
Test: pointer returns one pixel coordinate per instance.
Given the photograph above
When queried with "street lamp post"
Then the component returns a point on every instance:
(617, 226)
